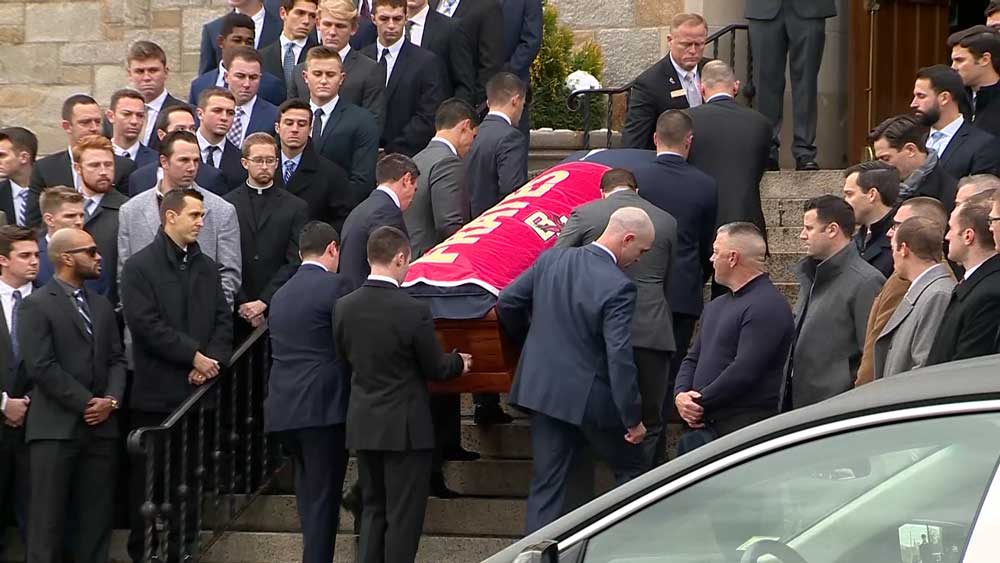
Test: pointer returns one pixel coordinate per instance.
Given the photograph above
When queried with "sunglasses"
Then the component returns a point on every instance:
(88, 250)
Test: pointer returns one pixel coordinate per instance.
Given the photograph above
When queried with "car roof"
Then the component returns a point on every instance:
(956, 382)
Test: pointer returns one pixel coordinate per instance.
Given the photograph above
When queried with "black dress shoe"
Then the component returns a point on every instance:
(352, 503)
(459, 454)
(487, 416)
(806, 165)
(772, 165)
(439, 489)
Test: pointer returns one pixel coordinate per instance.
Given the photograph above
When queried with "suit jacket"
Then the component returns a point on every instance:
(412, 96)
(366, 34)
(522, 35)
(378, 210)
(878, 251)
(350, 139)
(971, 151)
(56, 170)
(271, 88)
(970, 324)
(940, 185)
(689, 195)
(154, 141)
(68, 366)
(146, 155)
(364, 85)
(906, 340)
(210, 52)
(653, 93)
(172, 312)
(737, 173)
(103, 226)
(987, 109)
(323, 185)
(441, 205)
(390, 361)
(269, 243)
(45, 268)
(231, 165)
(262, 118)
(273, 59)
(13, 377)
(7, 201)
(497, 164)
(577, 301)
(478, 20)
(652, 324)
(309, 384)
(443, 37)
(808, 9)
(219, 239)
(207, 177)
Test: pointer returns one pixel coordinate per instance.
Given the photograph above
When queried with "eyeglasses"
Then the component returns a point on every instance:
(88, 250)
(261, 161)
(992, 219)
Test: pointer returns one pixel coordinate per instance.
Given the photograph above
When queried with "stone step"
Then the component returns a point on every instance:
(783, 212)
(793, 184)
(502, 441)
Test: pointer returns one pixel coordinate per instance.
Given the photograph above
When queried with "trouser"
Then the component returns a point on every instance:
(683, 331)
(446, 413)
(394, 490)
(653, 370)
(71, 475)
(14, 483)
(801, 41)
(694, 438)
(555, 445)
(320, 464)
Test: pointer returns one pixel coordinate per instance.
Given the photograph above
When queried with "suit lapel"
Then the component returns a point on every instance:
(332, 121)
(64, 171)
(7, 201)
(965, 287)
(267, 210)
(69, 308)
(397, 69)
(149, 211)
(956, 142)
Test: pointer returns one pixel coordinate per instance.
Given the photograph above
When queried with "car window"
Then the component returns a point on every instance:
(860, 496)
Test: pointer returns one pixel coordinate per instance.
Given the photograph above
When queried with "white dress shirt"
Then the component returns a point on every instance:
(447, 143)
(501, 115)
(314, 263)
(220, 80)
(387, 279)
(130, 153)
(392, 194)
(393, 55)
(203, 144)
(972, 270)
(606, 249)
(258, 26)
(153, 109)
(7, 300)
(297, 46)
(327, 111)
(72, 168)
(343, 52)
(693, 94)
(939, 139)
(417, 25)
(448, 7)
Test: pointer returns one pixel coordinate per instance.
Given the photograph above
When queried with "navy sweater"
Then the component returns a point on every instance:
(737, 359)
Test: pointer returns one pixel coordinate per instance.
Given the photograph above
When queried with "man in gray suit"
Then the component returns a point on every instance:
(796, 30)
(652, 324)
(906, 340)
(139, 217)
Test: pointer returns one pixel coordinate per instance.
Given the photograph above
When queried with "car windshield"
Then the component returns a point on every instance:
(879, 494)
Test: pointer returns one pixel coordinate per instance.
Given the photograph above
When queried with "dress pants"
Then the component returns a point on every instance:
(71, 475)
(653, 369)
(683, 332)
(554, 446)
(320, 464)
(446, 413)
(13, 478)
(394, 489)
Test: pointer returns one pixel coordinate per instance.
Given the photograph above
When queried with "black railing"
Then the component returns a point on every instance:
(580, 100)
(210, 450)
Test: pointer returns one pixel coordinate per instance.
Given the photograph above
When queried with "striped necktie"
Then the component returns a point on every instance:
(84, 310)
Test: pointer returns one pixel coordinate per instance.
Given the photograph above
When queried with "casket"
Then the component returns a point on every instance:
(461, 277)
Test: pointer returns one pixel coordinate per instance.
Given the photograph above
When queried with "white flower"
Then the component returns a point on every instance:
(581, 80)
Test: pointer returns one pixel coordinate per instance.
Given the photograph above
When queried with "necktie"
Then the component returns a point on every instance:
(409, 28)
(289, 62)
(22, 208)
(210, 155)
(84, 310)
(691, 90)
(384, 63)
(88, 208)
(365, 11)
(447, 7)
(126, 154)
(936, 138)
(317, 124)
(147, 127)
(289, 170)
(235, 135)
(14, 346)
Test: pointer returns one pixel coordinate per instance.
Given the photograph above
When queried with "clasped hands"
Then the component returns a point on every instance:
(689, 409)
(205, 368)
(253, 312)
(15, 411)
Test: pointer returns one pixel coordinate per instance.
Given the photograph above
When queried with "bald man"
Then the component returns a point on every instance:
(580, 302)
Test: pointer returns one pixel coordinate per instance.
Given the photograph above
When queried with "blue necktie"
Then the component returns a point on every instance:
(81, 306)
(289, 62)
(22, 209)
(289, 170)
(15, 347)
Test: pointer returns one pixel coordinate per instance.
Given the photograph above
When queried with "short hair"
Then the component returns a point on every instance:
(687, 19)
(992, 8)
(752, 244)
(255, 139)
(393, 4)
(923, 236)
(144, 50)
(163, 120)
(315, 237)
(92, 142)
(975, 214)
(673, 127)
(927, 207)
(174, 201)
(289, 4)
(717, 73)
(174, 137)
(295, 103)
(211, 92)
(22, 139)
(249, 54)
(385, 243)
(875, 174)
(943, 78)
(979, 40)
(234, 20)
(321, 53)
(900, 130)
(833, 210)
(9, 234)
(453, 111)
(502, 88)
(392, 167)
(618, 178)
(76, 100)
(125, 93)
(983, 181)
(342, 9)
(52, 199)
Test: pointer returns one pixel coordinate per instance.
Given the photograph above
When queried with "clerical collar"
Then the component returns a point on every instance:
(259, 189)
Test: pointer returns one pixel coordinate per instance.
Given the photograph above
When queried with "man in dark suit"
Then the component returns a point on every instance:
(872, 190)
(175, 118)
(498, 161)
(795, 31)
(652, 325)
(671, 83)
(216, 113)
(68, 339)
(127, 115)
(578, 301)
(397, 181)
(267, 28)
(974, 52)
(939, 99)
(181, 325)
(18, 148)
(81, 116)
(522, 39)
(341, 132)
(902, 142)
(298, 20)
(147, 73)
(61, 208)
(308, 389)
(323, 185)
(970, 323)
(478, 20)
(440, 35)
(364, 83)
(270, 222)
(415, 79)
(367, 34)
(253, 114)
(388, 418)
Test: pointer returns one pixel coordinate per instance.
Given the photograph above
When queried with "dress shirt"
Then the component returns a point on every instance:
(343, 52)
(949, 131)
(501, 115)
(447, 143)
(392, 194)
(387, 279)
(297, 159)
(448, 7)
(314, 263)
(719, 96)
(129, 153)
(393, 55)
(298, 45)
(7, 300)
(15, 194)
(606, 249)
(72, 168)
(417, 24)
(153, 109)
(693, 97)
(258, 26)
(671, 153)
(972, 270)
(245, 120)
(327, 109)
(220, 80)
(204, 144)
(922, 274)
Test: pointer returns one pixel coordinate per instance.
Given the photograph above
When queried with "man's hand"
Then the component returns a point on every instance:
(98, 410)
(690, 410)
(15, 411)
(251, 310)
(207, 366)
(636, 434)
(467, 361)
(196, 377)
